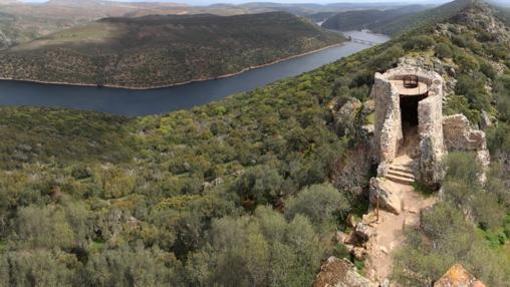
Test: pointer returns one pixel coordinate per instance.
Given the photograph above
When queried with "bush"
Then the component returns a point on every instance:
(473, 88)
(488, 70)
(421, 43)
(319, 203)
(260, 250)
(444, 51)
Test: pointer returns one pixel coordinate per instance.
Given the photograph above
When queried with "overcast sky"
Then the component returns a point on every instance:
(207, 2)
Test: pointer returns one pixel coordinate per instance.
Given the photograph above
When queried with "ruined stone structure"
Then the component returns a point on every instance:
(410, 140)
(411, 135)
(459, 136)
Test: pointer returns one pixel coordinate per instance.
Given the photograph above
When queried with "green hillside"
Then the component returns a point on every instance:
(21, 22)
(368, 19)
(156, 51)
(395, 21)
(428, 17)
(250, 190)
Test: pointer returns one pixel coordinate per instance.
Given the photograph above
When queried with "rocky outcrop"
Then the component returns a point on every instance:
(340, 273)
(459, 136)
(5, 42)
(458, 276)
(346, 117)
(381, 195)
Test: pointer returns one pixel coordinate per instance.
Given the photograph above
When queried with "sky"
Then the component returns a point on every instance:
(207, 2)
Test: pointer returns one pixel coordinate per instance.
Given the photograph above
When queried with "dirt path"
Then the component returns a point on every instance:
(389, 231)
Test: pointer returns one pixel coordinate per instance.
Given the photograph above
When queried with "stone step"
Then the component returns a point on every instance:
(400, 179)
(402, 174)
(401, 168)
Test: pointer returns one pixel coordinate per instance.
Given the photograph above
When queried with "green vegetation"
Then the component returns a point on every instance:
(248, 190)
(447, 237)
(396, 21)
(160, 190)
(369, 19)
(154, 51)
(470, 226)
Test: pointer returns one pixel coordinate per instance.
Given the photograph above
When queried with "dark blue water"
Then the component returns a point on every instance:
(156, 101)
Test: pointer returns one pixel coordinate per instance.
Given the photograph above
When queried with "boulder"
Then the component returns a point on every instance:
(359, 253)
(346, 117)
(486, 120)
(364, 232)
(458, 276)
(337, 272)
(381, 195)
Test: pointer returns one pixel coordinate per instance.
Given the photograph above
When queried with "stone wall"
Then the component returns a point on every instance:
(388, 126)
(459, 136)
(430, 114)
(388, 129)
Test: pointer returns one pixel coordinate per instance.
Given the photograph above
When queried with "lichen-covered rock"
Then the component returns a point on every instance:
(346, 117)
(340, 273)
(459, 136)
(458, 276)
(381, 195)
(363, 231)
(486, 121)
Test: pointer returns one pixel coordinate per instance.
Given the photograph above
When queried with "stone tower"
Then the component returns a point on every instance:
(409, 120)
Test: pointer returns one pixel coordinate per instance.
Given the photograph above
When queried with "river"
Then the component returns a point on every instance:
(145, 102)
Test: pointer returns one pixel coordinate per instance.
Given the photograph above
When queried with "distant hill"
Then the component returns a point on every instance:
(395, 21)
(162, 50)
(369, 19)
(425, 18)
(21, 22)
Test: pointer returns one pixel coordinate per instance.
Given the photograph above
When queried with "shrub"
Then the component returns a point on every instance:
(444, 51)
(473, 88)
(421, 42)
(320, 203)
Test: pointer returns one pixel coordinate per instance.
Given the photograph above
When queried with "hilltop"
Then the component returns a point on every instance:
(21, 22)
(395, 21)
(153, 51)
(252, 190)
(371, 19)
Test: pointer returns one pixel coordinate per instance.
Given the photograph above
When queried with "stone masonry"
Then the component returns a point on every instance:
(436, 134)
(388, 133)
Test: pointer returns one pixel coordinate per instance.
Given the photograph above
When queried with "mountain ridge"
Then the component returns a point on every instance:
(187, 48)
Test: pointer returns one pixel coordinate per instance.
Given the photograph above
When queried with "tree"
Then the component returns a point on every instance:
(444, 51)
(259, 250)
(320, 203)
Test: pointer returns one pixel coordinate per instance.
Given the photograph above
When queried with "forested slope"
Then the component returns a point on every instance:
(395, 21)
(369, 19)
(249, 191)
(154, 51)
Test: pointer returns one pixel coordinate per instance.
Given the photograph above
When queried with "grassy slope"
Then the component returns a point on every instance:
(175, 173)
(162, 50)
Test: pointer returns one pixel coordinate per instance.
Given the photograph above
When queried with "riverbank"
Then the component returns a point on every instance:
(135, 102)
(56, 83)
